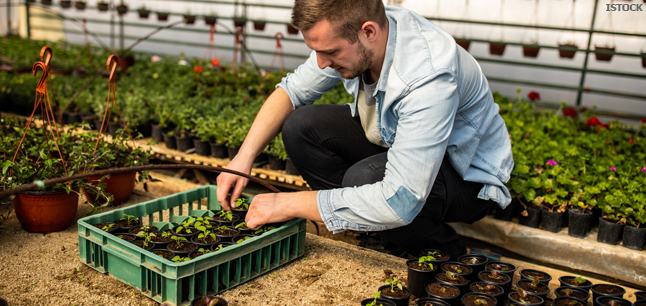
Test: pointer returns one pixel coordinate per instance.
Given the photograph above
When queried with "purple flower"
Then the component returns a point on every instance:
(551, 162)
(644, 169)
(613, 169)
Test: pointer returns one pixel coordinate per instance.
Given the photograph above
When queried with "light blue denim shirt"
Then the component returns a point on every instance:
(432, 98)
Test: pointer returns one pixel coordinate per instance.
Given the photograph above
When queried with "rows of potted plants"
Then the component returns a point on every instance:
(573, 170)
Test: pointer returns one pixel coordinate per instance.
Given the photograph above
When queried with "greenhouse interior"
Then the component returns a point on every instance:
(172, 152)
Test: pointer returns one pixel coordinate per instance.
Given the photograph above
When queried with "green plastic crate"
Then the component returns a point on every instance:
(179, 283)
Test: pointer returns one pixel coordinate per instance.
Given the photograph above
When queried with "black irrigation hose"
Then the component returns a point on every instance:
(27, 187)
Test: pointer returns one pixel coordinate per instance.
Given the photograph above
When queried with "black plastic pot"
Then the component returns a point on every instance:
(242, 230)
(564, 281)
(201, 147)
(113, 230)
(545, 280)
(503, 267)
(182, 254)
(232, 152)
(513, 299)
(451, 300)
(384, 302)
(640, 295)
(228, 238)
(533, 217)
(609, 232)
(169, 141)
(275, 163)
(640, 303)
(634, 237)
(543, 295)
(465, 273)
(234, 218)
(144, 129)
(221, 302)
(433, 301)
(479, 295)
(127, 236)
(596, 214)
(126, 229)
(218, 150)
(483, 276)
(157, 132)
(290, 168)
(577, 293)
(498, 296)
(184, 143)
(462, 286)
(552, 221)
(476, 267)
(568, 301)
(606, 290)
(579, 222)
(603, 301)
(506, 214)
(399, 301)
(241, 213)
(418, 278)
(206, 246)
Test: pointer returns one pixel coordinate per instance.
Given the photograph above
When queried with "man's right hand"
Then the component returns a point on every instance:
(230, 185)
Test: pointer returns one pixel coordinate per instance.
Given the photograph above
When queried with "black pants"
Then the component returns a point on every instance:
(330, 150)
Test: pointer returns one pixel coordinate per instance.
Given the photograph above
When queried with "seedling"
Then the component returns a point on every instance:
(474, 260)
(242, 225)
(500, 267)
(179, 240)
(432, 254)
(426, 261)
(394, 282)
(455, 269)
(376, 295)
(107, 227)
(166, 234)
(241, 203)
(145, 228)
(207, 233)
(574, 302)
(178, 259)
(522, 295)
(567, 292)
(217, 248)
(204, 251)
(486, 288)
(578, 280)
(203, 223)
(534, 283)
(220, 229)
(128, 218)
(225, 214)
(264, 230)
(451, 276)
(495, 274)
(241, 240)
(480, 302)
(147, 237)
(209, 300)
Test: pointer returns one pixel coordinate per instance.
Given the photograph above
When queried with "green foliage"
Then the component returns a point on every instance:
(179, 259)
(426, 261)
(241, 203)
(394, 282)
(179, 240)
(225, 214)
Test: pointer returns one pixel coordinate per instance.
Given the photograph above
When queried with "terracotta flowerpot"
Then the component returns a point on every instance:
(122, 10)
(189, 19)
(45, 212)
(80, 5)
(604, 57)
(259, 25)
(102, 6)
(66, 4)
(464, 43)
(497, 48)
(567, 50)
(210, 20)
(143, 14)
(162, 16)
(531, 51)
(291, 29)
(119, 185)
(239, 22)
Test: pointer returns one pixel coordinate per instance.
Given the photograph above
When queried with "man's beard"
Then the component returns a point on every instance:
(365, 61)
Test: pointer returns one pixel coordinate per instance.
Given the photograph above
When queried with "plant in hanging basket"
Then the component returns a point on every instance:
(122, 8)
(80, 5)
(102, 6)
(567, 50)
(259, 25)
(643, 54)
(143, 12)
(211, 19)
(531, 50)
(497, 48)
(46, 2)
(162, 16)
(189, 18)
(606, 52)
(464, 43)
(66, 4)
(239, 22)
(291, 30)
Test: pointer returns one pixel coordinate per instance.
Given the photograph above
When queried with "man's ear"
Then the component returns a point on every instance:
(370, 30)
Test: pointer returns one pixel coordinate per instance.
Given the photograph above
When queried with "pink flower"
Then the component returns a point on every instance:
(155, 58)
(644, 169)
(613, 169)
(551, 162)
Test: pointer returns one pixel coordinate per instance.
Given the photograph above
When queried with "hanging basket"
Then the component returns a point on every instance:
(143, 13)
(162, 16)
(210, 20)
(46, 2)
(189, 19)
(644, 58)
(239, 22)
(80, 5)
(531, 50)
(259, 25)
(604, 57)
(291, 29)
(46, 212)
(66, 4)
(567, 50)
(464, 43)
(497, 48)
(122, 9)
(102, 6)
(120, 186)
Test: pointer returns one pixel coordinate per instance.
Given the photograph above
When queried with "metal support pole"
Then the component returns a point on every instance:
(120, 32)
(244, 37)
(8, 17)
(27, 19)
(112, 24)
(587, 55)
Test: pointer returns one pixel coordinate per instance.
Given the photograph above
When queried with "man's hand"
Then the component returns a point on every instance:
(278, 207)
(232, 183)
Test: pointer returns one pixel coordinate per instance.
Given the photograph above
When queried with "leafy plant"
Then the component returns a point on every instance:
(179, 259)
(495, 274)
(394, 282)
(376, 295)
(241, 202)
(107, 227)
(241, 240)
(426, 261)
(179, 240)
(128, 218)
(225, 214)
(147, 237)
(578, 280)
(263, 230)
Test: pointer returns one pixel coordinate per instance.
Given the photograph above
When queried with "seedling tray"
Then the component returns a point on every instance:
(179, 283)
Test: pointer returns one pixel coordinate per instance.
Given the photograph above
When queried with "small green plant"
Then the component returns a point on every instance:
(145, 228)
(185, 226)
(451, 276)
(147, 237)
(225, 214)
(376, 295)
(107, 227)
(204, 251)
(128, 218)
(178, 259)
(179, 240)
(486, 288)
(217, 248)
(534, 283)
(241, 240)
(242, 225)
(567, 292)
(455, 268)
(206, 233)
(495, 274)
(432, 254)
(426, 261)
(167, 234)
(222, 229)
(394, 282)
(263, 229)
(578, 280)
(500, 267)
(480, 302)
(241, 203)
(522, 295)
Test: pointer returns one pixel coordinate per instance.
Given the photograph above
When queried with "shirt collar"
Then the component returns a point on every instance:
(390, 52)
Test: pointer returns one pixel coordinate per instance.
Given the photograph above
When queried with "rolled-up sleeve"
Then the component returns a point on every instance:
(425, 116)
(308, 82)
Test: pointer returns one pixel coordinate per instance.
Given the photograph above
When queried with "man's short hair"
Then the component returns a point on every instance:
(346, 16)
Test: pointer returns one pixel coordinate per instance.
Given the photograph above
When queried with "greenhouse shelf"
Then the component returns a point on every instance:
(178, 283)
